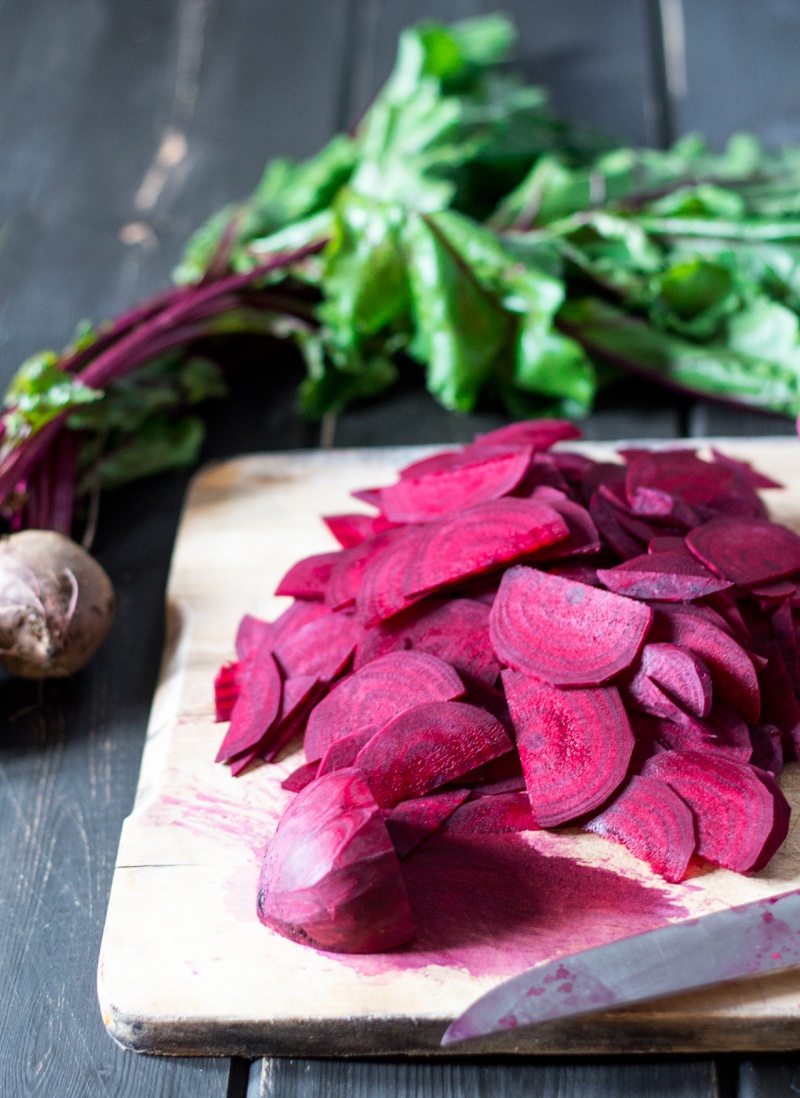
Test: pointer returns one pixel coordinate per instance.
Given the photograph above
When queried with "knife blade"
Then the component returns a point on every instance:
(746, 940)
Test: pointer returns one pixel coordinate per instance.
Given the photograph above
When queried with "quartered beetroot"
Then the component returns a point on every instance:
(378, 693)
(740, 819)
(479, 539)
(575, 745)
(669, 577)
(428, 746)
(746, 551)
(652, 821)
(331, 878)
(411, 822)
(456, 630)
(427, 497)
(564, 632)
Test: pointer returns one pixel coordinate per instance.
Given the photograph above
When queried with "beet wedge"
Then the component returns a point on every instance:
(480, 539)
(669, 577)
(427, 497)
(652, 821)
(378, 693)
(564, 632)
(331, 878)
(428, 746)
(740, 819)
(456, 630)
(257, 706)
(411, 822)
(574, 745)
(746, 551)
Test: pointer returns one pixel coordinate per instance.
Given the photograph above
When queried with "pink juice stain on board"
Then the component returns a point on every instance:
(495, 905)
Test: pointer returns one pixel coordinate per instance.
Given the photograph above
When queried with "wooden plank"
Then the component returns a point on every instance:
(731, 65)
(191, 851)
(595, 60)
(689, 1078)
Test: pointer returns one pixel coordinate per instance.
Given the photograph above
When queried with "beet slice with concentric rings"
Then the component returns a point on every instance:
(378, 693)
(428, 746)
(492, 815)
(667, 577)
(652, 821)
(321, 648)
(739, 817)
(564, 632)
(381, 594)
(583, 536)
(746, 551)
(574, 745)
(331, 878)
(309, 577)
(478, 540)
(427, 497)
(411, 822)
(681, 673)
(679, 473)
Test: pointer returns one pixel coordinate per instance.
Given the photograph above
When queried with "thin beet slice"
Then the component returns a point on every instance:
(350, 529)
(767, 748)
(679, 473)
(669, 543)
(660, 506)
(493, 815)
(681, 673)
(606, 518)
(226, 689)
(428, 746)
(309, 577)
(565, 632)
(784, 634)
(746, 551)
(737, 816)
(780, 706)
(342, 752)
(297, 697)
(597, 473)
(252, 634)
(776, 590)
(331, 878)
(347, 574)
(539, 434)
(744, 471)
(583, 537)
(376, 694)
(428, 497)
(478, 540)
(733, 675)
(381, 592)
(668, 577)
(455, 630)
(320, 649)
(543, 472)
(783, 813)
(411, 822)
(575, 745)
(256, 707)
(652, 821)
(372, 496)
(301, 777)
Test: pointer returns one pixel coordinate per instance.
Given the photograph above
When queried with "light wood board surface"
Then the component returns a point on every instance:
(186, 967)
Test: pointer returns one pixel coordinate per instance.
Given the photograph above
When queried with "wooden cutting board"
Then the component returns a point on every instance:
(186, 967)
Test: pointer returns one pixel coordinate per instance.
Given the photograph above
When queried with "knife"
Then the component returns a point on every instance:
(747, 940)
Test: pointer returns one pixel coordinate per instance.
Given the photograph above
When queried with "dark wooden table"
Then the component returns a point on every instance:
(94, 206)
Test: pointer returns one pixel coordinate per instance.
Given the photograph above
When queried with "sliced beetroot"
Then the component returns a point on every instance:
(669, 577)
(669, 543)
(733, 675)
(428, 746)
(321, 649)
(253, 634)
(331, 878)
(226, 689)
(767, 748)
(776, 590)
(300, 778)
(681, 673)
(492, 815)
(583, 537)
(309, 577)
(478, 540)
(660, 506)
(652, 821)
(381, 591)
(572, 466)
(350, 529)
(371, 496)
(411, 822)
(376, 694)
(679, 473)
(746, 551)
(784, 634)
(342, 752)
(564, 632)
(542, 472)
(300, 695)
(726, 607)
(597, 473)
(456, 630)
(513, 784)
(742, 470)
(539, 434)
(257, 706)
(574, 745)
(606, 518)
(347, 574)
(780, 828)
(737, 815)
(427, 497)
(780, 706)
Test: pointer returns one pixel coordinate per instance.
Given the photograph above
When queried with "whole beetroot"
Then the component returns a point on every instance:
(56, 605)
(331, 878)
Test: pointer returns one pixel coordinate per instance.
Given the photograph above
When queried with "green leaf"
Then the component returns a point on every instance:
(39, 391)
(694, 297)
(330, 389)
(160, 443)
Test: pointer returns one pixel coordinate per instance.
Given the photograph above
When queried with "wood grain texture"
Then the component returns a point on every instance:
(693, 1078)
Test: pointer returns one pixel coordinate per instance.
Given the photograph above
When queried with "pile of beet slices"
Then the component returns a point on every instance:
(522, 638)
